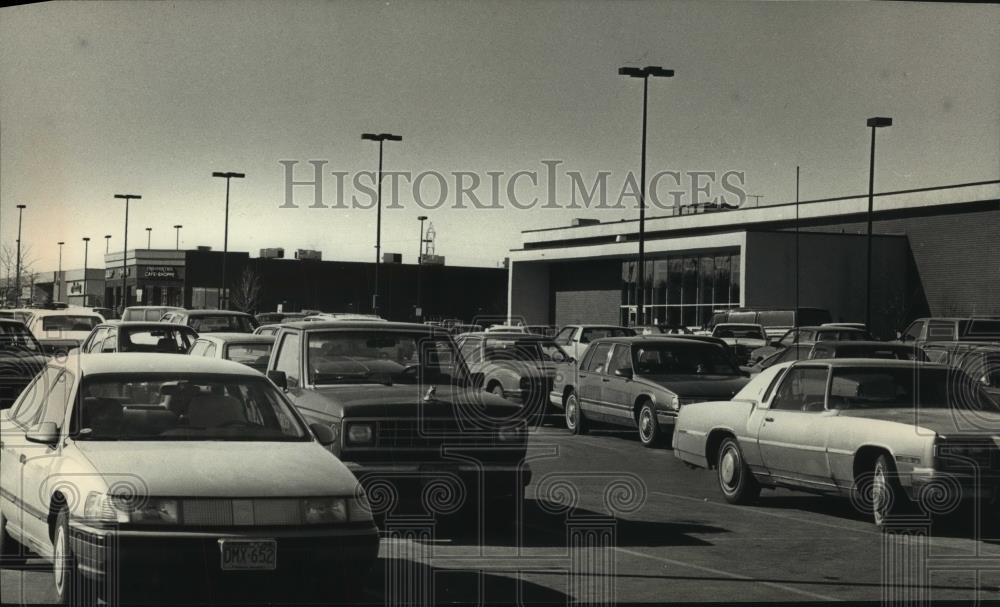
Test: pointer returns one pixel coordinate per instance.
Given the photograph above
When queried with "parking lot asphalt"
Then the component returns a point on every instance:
(607, 520)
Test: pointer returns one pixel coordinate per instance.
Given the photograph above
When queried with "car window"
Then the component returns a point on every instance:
(198, 349)
(802, 389)
(592, 333)
(913, 332)
(110, 343)
(938, 330)
(599, 358)
(29, 404)
(60, 322)
(621, 358)
(251, 354)
(58, 399)
(565, 335)
(288, 358)
(210, 350)
(470, 350)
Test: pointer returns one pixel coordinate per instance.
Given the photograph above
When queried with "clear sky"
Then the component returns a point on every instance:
(151, 97)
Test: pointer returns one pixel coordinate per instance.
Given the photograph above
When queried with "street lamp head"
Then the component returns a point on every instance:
(22, 206)
(228, 175)
(60, 243)
(422, 218)
(645, 72)
(178, 226)
(380, 137)
(149, 229)
(370, 137)
(127, 196)
(86, 239)
(390, 137)
(879, 121)
(108, 236)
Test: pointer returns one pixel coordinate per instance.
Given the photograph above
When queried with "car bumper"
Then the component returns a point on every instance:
(410, 483)
(188, 562)
(940, 487)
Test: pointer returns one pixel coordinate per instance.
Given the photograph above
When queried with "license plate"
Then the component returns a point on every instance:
(248, 554)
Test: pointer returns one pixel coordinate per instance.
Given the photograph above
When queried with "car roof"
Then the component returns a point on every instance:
(507, 334)
(152, 324)
(873, 363)
(667, 339)
(65, 312)
(864, 343)
(11, 321)
(105, 364)
(172, 308)
(243, 338)
(213, 313)
(362, 324)
(832, 328)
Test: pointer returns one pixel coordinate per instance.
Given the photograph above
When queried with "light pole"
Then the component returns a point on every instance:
(17, 265)
(874, 123)
(149, 238)
(225, 237)
(420, 263)
(380, 138)
(126, 198)
(644, 73)
(59, 271)
(107, 243)
(178, 227)
(86, 247)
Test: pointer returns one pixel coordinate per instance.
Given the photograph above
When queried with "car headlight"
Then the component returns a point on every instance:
(325, 510)
(674, 403)
(100, 507)
(360, 433)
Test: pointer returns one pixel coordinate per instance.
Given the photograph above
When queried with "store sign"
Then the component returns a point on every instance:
(112, 273)
(159, 273)
(76, 288)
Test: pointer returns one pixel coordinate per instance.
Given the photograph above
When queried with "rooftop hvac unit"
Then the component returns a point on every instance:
(308, 255)
(204, 248)
(274, 253)
(432, 260)
(582, 221)
(392, 258)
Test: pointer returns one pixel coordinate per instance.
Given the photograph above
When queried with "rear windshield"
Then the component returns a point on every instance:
(252, 355)
(15, 338)
(69, 323)
(167, 340)
(883, 352)
(223, 323)
(682, 359)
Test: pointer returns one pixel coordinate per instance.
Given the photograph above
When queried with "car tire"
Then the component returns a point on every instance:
(10, 551)
(650, 434)
(65, 573)
(576, 422)
(736, 480)
(888, 500)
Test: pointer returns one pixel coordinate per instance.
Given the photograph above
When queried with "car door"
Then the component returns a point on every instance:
(13, 424)
(591, 379)
(288, 359)
(617, 390)
(793, 431)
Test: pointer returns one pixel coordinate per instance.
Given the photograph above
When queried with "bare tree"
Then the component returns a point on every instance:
(8, 270)
(245, 294)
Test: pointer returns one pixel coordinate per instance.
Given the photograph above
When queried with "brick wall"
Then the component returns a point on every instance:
(586, 292)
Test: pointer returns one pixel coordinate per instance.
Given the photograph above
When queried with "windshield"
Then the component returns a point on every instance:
(69, 323)
(168, 340)
(183, 407)
(682, 359)
(527, 349)
(886, 352)
(253, 355)
(738, 331)
(592, 333)
(223, 323)
(870, 388)
(16, 338)
(369, 356)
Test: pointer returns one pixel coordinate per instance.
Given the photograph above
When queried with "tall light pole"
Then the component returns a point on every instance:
(225, 237)
(149, 238)
(126, 198)
(380, 138)
(177, 246)
(17, 265)
(874, 123)
(644, 73)
(420, 263)
(86, 247)
(59, 271)
(107, 243)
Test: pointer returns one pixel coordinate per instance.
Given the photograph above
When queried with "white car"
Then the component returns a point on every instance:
(176, 471)
(63, 330)
(574, 339)
(741, 338)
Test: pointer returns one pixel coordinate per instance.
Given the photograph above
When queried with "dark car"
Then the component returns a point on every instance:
(274, 318)
(519, 367)
(812, 335)
(642, 382)
(138, 336)
(867, 349)
(395, 395)
(975, 329)
(213, 321)
(21, 359)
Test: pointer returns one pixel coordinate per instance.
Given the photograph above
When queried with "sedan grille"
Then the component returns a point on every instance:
(240, 512)
(427, 434)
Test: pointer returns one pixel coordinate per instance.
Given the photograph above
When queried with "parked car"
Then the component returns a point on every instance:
(394, 394)
(794, 352)
(21, 359)
(775, 321)
(21, 314)
(574, 339)
(742, 339)
(809, 334)
(979, 360)
(866, 349)
(213, 321)
(59, 331)
(642, 382)
(519, 367)
(250, 350)
(199, 470)
(139, 336)
(147, 313)
(984, 328)
(271, 330)
(272, 318)
(891, 432)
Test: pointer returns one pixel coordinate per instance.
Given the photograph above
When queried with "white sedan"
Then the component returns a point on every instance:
(162, 473)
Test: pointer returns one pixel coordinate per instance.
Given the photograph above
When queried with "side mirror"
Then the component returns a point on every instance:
(45, 433)
(899, 336)
(323, 433)
(278, 378)
(624, 372)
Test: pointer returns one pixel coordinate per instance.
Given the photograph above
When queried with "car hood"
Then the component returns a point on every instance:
(221, 468)
(694, 386)
(405, 400)
(940, 421)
